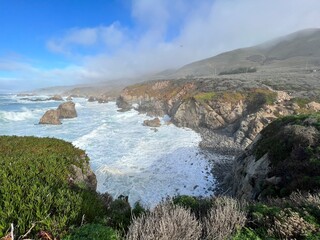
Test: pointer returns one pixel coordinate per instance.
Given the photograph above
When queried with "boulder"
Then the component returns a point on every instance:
(67, 110)
(50, 117)
(314, 106)
(69, 98)
(56, 98)
(102, 100)
(152, 123)
(91, 99)
(85, 176)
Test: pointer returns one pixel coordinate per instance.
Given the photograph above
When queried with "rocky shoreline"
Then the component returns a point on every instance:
(228, 121)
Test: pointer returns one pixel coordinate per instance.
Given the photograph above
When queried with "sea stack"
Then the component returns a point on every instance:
(65, 110)
(50, 117)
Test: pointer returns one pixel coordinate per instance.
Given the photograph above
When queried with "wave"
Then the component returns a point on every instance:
(21, 115)
(83, 140)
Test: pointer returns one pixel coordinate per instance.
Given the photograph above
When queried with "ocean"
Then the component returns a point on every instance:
(128, 158)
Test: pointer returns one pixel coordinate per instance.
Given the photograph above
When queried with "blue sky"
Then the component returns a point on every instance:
(63, 42)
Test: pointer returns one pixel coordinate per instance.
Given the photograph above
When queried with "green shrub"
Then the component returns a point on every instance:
(93, 232)
(35, 187)
(293, 217)
(204, 96)
(301, 101)
(246, 234)
(120, 214)
(239, 70)
(292, 145)
(256, 98)
(198, 206)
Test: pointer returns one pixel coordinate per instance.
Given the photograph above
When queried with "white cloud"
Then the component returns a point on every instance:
(168, 34)
(74, 38)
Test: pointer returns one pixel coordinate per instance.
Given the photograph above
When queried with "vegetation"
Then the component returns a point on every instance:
(255, 98)
(239, 70)
(36, 194)
(35, 189)
(292, 144)
(38, 197)
(93, 231)
(166, 221)
(204, 96)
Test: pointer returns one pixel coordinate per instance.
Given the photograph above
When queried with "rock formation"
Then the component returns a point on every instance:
(152, 123)
(65, 110)
(228, 112)
(83, 175)
(56, 98)
(282, 159)
(50, 117)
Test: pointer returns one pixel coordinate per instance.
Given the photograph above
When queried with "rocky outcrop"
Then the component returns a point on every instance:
(152, 123)
(65, 110)
(100, 99)
(51, 117)
(56, 98)
(85, 175)
(283, 158)
(236, 116)
(314, 106)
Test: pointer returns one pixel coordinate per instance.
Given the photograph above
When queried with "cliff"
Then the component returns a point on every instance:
(285, 157)
(227, 113)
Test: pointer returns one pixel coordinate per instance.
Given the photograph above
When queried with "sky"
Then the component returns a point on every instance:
(65, 42)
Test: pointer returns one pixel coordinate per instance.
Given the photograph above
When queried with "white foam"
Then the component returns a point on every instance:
(127, 157)
(19, 116)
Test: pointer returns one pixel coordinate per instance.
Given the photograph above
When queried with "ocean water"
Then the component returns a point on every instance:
(128, 158)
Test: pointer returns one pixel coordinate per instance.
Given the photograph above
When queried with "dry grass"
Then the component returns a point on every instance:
(224, 219)
(165, 222)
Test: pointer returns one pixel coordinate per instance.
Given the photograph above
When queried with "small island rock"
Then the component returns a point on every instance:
(152, 123)
(50, 117)
(67, 110)
(56, 98)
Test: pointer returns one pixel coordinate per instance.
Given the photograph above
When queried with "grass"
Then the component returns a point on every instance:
(204, 96)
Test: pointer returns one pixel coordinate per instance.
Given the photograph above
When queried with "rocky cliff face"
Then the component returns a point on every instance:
(232, 113)
(285, 157)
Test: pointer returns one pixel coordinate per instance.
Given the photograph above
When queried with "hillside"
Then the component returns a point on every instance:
(297, 50)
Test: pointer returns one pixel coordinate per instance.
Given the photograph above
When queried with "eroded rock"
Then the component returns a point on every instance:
(51, 117)
(67, 110)
(152, 123)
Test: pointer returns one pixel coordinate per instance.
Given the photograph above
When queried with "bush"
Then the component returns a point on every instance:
(35, 189)
(166, 221)
(239, 70)
(293, 217)
(292, 145)
(120, 214)
(225, 218)
(198, 206)
(94, 232)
